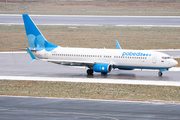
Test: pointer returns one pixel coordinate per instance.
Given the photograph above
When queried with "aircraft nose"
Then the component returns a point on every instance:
(174, 63)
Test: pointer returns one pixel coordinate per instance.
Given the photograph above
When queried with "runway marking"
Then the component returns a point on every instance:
(13, 52)
(94, 80)
(160, 102)
(97, 25)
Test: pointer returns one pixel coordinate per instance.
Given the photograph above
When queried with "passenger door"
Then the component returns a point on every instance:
(154, 58)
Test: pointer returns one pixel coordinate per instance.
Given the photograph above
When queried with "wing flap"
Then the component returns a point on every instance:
(70, 62)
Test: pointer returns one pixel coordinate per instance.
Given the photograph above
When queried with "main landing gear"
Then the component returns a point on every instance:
(160, 73)
(90, 71)
(103, 73)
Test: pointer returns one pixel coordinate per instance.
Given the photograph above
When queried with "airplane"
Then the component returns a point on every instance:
(96, 60)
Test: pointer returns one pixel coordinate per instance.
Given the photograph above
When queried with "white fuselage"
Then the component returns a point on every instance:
(122, 59)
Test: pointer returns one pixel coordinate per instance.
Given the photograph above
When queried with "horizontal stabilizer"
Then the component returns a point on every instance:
(31, 54)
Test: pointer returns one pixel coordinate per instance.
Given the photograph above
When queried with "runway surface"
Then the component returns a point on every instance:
(16, 64)
(169, 21)
(30, 108)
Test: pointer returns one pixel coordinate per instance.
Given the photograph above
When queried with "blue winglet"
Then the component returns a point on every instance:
(31, 54)
(117, 45)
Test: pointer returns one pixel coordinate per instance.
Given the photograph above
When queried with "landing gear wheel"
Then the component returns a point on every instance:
(90, 71)
(160, 73)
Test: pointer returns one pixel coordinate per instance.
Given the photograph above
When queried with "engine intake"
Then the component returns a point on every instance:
(102, 67)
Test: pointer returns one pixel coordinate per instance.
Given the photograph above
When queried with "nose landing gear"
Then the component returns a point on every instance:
(161, 70)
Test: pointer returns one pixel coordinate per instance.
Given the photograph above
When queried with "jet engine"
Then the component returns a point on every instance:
(102, 67)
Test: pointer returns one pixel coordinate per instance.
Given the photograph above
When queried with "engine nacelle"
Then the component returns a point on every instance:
(102, 67)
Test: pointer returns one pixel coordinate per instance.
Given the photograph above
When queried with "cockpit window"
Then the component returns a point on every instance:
(166, 57)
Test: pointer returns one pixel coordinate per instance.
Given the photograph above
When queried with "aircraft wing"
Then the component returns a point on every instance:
(71, 63)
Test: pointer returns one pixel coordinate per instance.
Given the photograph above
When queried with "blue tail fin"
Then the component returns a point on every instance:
(35, 38)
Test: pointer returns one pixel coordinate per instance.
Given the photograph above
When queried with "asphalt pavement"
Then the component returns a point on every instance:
(31, 108)
(166, 21)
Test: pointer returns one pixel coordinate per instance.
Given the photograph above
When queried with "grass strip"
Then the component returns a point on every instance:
(90, 90)
(95, 36)
(119, 8)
